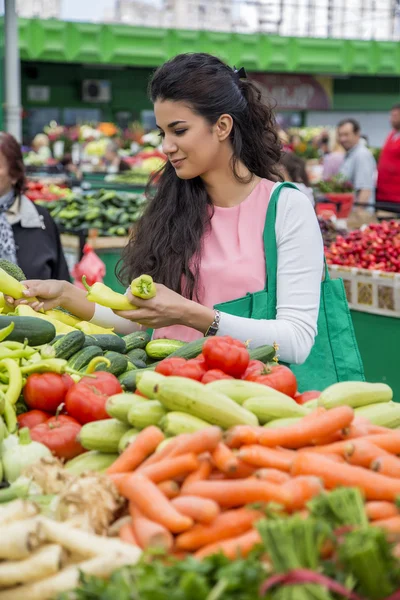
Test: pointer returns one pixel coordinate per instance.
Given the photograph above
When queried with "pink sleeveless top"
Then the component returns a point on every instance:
(233, 259)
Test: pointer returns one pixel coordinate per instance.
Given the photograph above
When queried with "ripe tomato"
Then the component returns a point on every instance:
(229, 355)
(255, 367)
(192, 369)
(279, 377)
(214, 375)
(86, 400)
(306, 396)
(46, 391)
(32, 418)
(168, 366)
(59, 434)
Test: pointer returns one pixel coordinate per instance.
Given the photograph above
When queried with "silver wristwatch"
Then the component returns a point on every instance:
(213, 329)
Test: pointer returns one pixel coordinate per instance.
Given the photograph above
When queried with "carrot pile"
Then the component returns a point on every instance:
(203, 492)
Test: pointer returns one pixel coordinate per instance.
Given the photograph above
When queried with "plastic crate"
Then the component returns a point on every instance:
(370, 291)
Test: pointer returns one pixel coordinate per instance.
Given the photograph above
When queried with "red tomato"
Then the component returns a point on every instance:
(168, 366)
(86, 400)
(226, 354)
(279, 377)
(32, 418)
(59, 434)
(192, 369)
(306, 396)
(255, 367)
(46, 391)
(214, 375)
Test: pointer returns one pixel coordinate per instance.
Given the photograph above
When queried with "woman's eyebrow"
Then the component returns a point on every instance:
(173, 124)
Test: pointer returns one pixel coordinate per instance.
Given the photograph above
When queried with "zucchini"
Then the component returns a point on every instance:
(108, 342)
(355, 394)
(138, 339)
(144, 414)
(82, 358)
(102, 435)
(383, 414)
(69, 344)
(36, 331)
(162, 348)
(263, 353)
(240, 390)
(277, 423)
(274, 406)
(118, 363)
(138, 354)
(185, 395)
(118, 406)
(175, 423)
(128, 379)
(127, 439)
(90, 461)
(146, 383)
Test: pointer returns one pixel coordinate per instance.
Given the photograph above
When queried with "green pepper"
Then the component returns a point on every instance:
(16, 354)
(144, 287)
(10, 417)
(14, 380)
(102, 294)
(5, 332)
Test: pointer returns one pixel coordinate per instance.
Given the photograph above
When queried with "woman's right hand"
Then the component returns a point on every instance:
(48, 293)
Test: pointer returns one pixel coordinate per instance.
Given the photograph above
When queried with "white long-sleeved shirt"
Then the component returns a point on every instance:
(299, 274)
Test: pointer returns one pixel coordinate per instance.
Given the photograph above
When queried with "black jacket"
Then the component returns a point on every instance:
(39, 251)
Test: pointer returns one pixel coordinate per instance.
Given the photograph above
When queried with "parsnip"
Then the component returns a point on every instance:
(19, 538)
(67, 579)
(17, 510)
(44, 562)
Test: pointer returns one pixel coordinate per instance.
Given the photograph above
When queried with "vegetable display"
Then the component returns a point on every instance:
(111, 213)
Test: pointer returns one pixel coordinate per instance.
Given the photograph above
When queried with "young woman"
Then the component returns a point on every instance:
(28, 234)
(201, 237)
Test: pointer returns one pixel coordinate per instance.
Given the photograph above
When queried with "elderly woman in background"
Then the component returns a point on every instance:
(41, 145)
(28, 235)
(114, 163)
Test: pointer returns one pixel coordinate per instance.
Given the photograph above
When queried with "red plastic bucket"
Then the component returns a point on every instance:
(340, 205)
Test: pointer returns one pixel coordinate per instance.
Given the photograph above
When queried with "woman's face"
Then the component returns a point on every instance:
(6, 183)
(192, 145)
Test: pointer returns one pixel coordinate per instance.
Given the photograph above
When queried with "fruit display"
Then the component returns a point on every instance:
(375, 247)
(111, 213)
(329, 231)
(37, 190)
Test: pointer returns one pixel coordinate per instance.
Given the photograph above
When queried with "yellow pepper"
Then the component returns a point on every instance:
(63, 317)
(102, 294)
(144, 287)
(23, 310)
(92, 329)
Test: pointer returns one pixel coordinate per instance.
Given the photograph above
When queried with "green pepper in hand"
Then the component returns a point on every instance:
(144, 287)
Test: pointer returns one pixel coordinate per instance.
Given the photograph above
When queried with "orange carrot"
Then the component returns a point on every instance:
(243, 470)
(169, 468)
(302, 489)
(377, 510)
(142, 446)
(164, 452)
(242, 434)
(307, 430)
(205, 440)
(227, 525)
(126, 534)
(387, 464)
(152, 502)
(233, 547)
(362, 453)
(117, 477)
(224, 459)
(273, 475)
(149, 534)
(391, 525)
(374, 485)
(260, 456)
(202, 510)
(389, 441)
(203, 472)
(239, 492)
(169, 488)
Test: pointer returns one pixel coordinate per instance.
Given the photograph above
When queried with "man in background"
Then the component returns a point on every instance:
(388, 188)
(359, 165)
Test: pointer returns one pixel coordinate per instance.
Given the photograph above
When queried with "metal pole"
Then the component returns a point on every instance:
(12, 72)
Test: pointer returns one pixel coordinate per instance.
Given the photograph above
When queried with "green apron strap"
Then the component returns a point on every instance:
(271, 251)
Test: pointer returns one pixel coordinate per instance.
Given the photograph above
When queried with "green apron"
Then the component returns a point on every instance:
(335, 355)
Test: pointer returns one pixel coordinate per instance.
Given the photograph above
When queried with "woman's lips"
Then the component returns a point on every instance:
(177, 163)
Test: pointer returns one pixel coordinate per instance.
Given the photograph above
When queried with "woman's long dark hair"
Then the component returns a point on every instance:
(166, 242)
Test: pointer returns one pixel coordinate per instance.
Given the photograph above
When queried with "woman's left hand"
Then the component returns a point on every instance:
(165, 309)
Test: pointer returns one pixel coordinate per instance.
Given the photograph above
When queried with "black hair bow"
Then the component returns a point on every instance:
(240, 73)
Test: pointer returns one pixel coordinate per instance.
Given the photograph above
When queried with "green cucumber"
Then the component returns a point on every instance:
(162, 348)
(119, 405)
(103, 436)
(118, 364)
(80, 360)
(263, 353)
(190, 350)
(108, 342)
(128, 379)
(137, 354)
(138, 339)
(69, 344)
(37, 331)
